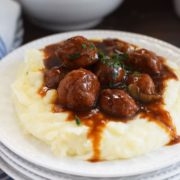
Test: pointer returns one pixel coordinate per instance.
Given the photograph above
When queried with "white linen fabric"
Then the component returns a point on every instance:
(10, 26)
(11, 33)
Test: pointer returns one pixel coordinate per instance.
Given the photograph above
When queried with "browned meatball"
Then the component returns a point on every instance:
(79, 90)
(108, 75)
(145, 61)
(143, 81)
(118, 103)
(52, 61)
(51, 57)
(142, 88)
(116, 44)
(77, 52)
(53, 76)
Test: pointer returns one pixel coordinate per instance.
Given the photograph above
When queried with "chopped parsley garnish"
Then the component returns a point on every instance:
(77, 119)
(115, 73)
(125, 55)
(74, 56)
(84, 46)
(102, 57)
(115, 61)
(92, 46)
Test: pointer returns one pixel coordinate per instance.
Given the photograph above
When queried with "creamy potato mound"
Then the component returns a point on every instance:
(65, 138)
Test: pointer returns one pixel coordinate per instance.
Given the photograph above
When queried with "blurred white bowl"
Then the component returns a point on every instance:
(177, 7)
(68, 14)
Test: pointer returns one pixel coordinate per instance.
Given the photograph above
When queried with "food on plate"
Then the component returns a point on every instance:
(76, 52)
(109, 74)
(98, 99)
(142, 87)
(143, 81)
(79, 90)
(118, 103)
(111, 45)
(145, 61)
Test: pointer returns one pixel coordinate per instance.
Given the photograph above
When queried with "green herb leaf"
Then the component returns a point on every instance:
(115, 61)
(101, 55)
(84, 46)
(74, 56)
(77, 119)
(92, 46)
(115, 73)
(125, 56)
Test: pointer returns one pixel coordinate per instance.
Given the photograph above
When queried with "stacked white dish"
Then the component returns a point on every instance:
(23, 157)
(19, 168)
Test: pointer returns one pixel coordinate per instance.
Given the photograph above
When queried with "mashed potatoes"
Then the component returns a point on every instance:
(65, 138)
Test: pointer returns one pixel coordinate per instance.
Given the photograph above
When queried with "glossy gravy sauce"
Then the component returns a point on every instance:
(96, 120)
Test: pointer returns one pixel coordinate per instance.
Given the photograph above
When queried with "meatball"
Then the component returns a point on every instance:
(77, 52)
(145, 61)
(116, 44)
(108, 75)
(143, 81)
(51, 57)
(118, 103)
(142, 88)
(52, 61)
(53, 76)
(79, 90)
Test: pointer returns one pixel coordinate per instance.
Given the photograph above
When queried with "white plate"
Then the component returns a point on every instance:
(13, 173)
(11, 135)
(30, 170)
(21, 171)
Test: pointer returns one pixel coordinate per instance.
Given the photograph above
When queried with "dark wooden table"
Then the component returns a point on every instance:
(150, 17)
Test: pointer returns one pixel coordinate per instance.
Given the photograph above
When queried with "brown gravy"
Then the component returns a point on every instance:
(96, 119)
